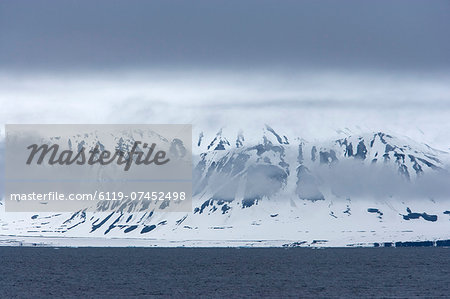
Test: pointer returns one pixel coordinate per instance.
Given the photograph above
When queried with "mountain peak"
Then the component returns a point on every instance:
(219, 143)
(274, 137)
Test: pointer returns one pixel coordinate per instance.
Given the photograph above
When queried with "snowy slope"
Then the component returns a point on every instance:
(269, 189)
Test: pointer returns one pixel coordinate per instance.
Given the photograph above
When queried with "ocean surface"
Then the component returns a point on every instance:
(224, 272)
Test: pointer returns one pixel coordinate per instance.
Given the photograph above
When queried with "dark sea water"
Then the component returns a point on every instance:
(224, 272)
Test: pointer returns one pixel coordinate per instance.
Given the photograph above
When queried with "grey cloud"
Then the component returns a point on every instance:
(106, 34)
(354, 179)
(333, 104)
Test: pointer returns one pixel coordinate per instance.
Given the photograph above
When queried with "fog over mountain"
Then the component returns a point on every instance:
(310, 105)
(304, 66)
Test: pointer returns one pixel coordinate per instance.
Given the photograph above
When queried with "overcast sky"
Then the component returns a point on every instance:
(387, 35)
(318, 67)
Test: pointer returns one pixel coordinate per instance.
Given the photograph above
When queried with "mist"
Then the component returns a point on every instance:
(317, 105)
(355, 180)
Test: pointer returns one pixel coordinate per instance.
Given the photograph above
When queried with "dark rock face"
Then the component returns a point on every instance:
(424, 215)
(262, 170)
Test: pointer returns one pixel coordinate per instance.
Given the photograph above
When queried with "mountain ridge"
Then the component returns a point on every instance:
(267, 190)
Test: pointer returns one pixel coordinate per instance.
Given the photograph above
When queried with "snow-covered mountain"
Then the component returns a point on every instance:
(270, 189)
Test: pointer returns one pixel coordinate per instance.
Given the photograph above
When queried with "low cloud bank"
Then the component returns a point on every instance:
(356, 180)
